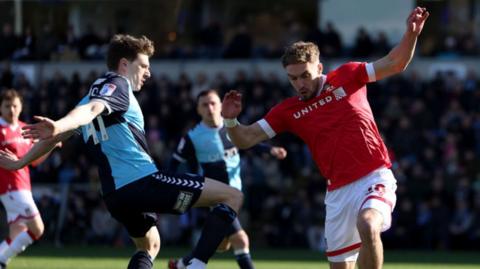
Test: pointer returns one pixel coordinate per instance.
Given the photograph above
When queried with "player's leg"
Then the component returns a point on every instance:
(241, 249)
(215, 192)
(369, 226)
(26, 225)
(375, 215)
(225, 202)
(14, 228)
(147, 249)
(342, 239)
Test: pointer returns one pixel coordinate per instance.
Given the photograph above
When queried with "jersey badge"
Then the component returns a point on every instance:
(339, 93)
(107, 89)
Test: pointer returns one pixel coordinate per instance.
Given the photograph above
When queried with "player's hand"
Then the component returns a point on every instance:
(44, 129)
(8, 160)
(416, 20)
(278, 152)
(231, 104)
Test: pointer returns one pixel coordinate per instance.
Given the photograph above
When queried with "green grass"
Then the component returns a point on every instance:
(44, 257)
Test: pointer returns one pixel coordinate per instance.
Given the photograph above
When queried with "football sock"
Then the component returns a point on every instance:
(196, 264)
(140, 260)
(19, 244)
(181, 263)
(243, 258)
(214, 230)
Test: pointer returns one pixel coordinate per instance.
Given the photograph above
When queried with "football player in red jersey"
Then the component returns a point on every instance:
(331, 114)
(24, 221)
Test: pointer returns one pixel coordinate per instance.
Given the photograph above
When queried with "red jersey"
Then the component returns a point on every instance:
(337, 125)
(11, 138)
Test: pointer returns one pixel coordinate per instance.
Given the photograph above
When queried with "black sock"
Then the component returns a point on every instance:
(214, 230)
(186, 259)
(244, 260)
(140, 260)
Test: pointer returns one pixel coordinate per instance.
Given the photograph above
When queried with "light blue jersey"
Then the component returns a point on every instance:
(116, 138)
(212, 150)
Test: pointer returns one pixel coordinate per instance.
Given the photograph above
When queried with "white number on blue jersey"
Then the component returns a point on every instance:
(93, 133)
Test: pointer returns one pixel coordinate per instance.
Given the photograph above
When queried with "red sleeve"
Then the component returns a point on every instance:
(275, 118)
(356, 71)
(352, 76)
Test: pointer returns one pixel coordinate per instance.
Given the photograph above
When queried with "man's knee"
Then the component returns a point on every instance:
(234, 199)
(36, 227)
(150, 243)
(369, 225)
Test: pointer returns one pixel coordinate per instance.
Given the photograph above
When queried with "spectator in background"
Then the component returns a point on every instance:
(47, 43)
(8, 42)
(26, 46)
(211, 40)
(332, 42)
(6, 79)
(240, 46)
(364, 46)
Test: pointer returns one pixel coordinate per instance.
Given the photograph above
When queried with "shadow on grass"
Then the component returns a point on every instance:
(397, 256)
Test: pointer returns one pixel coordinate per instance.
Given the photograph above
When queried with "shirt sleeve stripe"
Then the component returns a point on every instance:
(107, 106)
(370, 72)
(266, 128)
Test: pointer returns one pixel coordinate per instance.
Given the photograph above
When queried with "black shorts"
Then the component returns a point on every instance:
(137, 204)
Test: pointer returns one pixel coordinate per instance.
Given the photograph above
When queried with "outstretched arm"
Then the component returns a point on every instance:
(242, 136)
(10, 161)
(45, 156)
(399, 57)
(80, 115)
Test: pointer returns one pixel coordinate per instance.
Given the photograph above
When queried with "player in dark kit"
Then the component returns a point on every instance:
(208, 148)
(111, 122)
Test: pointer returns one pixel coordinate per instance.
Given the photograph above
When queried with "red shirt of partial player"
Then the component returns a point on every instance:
(337, 125)
(11, 139)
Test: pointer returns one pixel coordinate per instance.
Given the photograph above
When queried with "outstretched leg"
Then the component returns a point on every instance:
(369, 226)
(225, 202)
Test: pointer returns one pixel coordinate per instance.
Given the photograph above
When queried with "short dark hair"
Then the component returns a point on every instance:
(205, 93)
(300, 52)
(10, 95)
(127, 46)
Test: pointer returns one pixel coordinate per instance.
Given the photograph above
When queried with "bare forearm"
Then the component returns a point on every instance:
(42, 158)
(246, 136)
(37, 152)
(40, 151)
(79, 116)
(398, 59)
(402, 53)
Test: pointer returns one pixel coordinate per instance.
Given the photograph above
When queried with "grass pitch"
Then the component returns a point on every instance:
(87, 257)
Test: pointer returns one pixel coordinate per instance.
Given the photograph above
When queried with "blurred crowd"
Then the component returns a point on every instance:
(432, 128)
(214, 41)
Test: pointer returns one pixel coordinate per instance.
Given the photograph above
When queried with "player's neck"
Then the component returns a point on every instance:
(213, 123)
(11, 122)
(320, 84)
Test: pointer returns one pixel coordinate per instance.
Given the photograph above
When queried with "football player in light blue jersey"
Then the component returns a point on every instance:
(135, 192)
(208, 147)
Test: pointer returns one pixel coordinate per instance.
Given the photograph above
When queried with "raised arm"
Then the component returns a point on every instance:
(80, 115)
(399, 57)
(242, 136)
